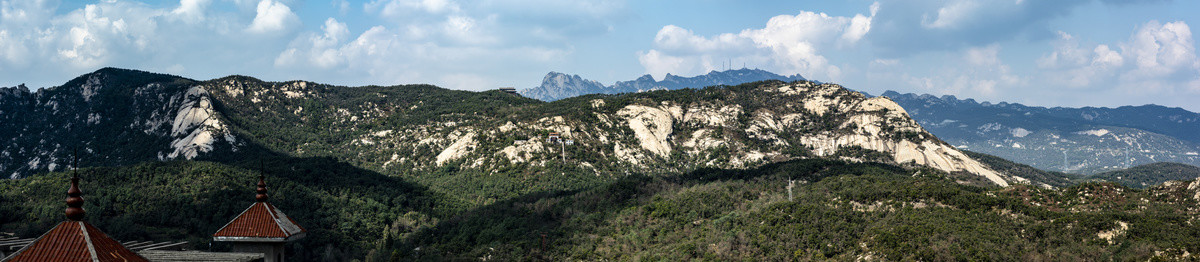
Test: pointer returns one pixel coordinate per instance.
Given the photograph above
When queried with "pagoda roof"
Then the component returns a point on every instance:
(74, 241)
(261, 222)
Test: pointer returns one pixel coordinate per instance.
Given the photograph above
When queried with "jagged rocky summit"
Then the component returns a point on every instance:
(557, 85)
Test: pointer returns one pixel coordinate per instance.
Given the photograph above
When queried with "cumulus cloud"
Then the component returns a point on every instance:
(321, 51)
(1159, 50)
(446, 42)
(272, 17)
(787, 43)
(191, 11)
(420, 41)
(41, 47)
(1157, 59)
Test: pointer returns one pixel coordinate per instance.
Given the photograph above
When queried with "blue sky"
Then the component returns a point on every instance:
(1049, 53)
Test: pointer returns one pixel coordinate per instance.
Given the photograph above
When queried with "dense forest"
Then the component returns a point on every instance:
(833, 210)
(836, 210)
(345, 209)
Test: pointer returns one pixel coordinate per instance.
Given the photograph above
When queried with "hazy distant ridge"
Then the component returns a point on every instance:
(557, 85)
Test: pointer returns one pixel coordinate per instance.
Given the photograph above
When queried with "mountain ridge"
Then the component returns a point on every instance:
(554, 87)
(1091, 139)
(435, 129)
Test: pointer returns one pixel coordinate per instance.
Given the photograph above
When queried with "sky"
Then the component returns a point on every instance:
(1045, 53)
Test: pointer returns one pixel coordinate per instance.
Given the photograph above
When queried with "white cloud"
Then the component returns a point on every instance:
(448, 43)
(1157, 59)
(658, 64)
(272, 17)
(342, 6)
(1106, 58)
(787, 44)
(912, 27)
(983, 56)
(42, 48)
(191, 11)
(1159, 50)
(321, 51)
(952, 15)
(397, 9)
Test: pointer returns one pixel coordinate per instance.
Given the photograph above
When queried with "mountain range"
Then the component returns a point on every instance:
(119, 117)
(557, 85)
(1084, 140)
(767, 170)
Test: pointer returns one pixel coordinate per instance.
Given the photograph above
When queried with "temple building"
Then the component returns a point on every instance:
(74, 239)
(261, 228)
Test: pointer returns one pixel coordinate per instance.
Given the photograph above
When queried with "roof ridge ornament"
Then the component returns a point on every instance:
(262, 189)
(75, 210)
(261, 195)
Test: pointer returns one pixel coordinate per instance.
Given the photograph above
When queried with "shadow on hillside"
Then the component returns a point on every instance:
(331, 199)
(519, 223)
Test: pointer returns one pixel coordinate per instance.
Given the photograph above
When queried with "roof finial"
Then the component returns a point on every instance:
(74, 201)
(262, 184)
(262, 190)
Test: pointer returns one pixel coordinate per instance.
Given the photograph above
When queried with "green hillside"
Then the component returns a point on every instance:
(345, 209)
(840, 211)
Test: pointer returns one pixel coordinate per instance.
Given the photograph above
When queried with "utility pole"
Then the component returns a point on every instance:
(791, 183)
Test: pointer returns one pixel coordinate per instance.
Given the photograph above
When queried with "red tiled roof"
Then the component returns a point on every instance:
(74, 241)
(261, 220)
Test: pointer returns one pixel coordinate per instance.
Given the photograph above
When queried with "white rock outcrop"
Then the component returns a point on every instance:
(196, 126)
(652, 126)
(877, 124)
(460, 148)
(522, 151)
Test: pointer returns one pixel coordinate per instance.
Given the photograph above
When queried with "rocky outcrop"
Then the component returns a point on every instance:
(196, 126)
(461, 147)
(652, 125)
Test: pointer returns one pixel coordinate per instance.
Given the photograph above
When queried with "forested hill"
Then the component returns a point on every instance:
(808, 209)
(120, 117)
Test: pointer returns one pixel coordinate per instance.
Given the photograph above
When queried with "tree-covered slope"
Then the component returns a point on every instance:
(835, 210)
(346, 210)
(1150, 174)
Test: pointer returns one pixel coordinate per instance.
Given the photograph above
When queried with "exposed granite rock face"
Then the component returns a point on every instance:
(196, 126)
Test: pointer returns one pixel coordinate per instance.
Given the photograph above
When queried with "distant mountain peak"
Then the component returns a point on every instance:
(557, 85)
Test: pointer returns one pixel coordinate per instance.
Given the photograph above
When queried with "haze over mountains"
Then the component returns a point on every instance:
(557, 85)
(1087, 140)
